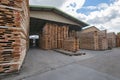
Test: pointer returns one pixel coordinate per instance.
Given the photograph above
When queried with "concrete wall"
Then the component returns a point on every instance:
(51, 16)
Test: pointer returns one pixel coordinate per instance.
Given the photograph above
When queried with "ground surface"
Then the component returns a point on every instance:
(50, 65)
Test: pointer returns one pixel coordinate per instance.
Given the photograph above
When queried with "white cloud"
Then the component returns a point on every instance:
(70, 6)
(107, 16)
(54, 3)
(103, 6)
(104, 15)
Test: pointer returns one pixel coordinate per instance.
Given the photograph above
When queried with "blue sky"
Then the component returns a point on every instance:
(104, 14)
(92, 3)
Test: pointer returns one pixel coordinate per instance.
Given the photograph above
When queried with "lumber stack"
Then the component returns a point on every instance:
(14, 22)
(93, 39)
(103, 43)
(89, 40)
(9, 45)
(56, 36)
(111, 39)
(118, 40)
(71, 44)
(52, 36)
(11, 3)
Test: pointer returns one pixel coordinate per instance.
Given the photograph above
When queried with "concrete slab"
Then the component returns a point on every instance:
(40, 61)
(108, 63)
(50, 65)
(72, 72)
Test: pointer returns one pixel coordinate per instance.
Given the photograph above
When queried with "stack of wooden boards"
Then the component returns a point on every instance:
(89, 40)
(55, 36)
(71, 44)
(111, 39)
(93, 39)
(14, 22)
(118, 40)
(103, 42)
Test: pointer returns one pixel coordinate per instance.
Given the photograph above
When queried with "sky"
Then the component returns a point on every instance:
(104, 14)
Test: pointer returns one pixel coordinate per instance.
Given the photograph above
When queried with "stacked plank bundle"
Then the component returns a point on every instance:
(118, 40)
(93, 38)
(89, 40)
(71, 44)
(56, 37)
(111, 39)
(103, 43)
(14, 22)
(52, 36)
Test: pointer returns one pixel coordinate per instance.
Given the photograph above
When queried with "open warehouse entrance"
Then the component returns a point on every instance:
(53, 29)
(36, 26)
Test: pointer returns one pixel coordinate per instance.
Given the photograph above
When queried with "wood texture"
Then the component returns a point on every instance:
(14, 25)
(55, 36)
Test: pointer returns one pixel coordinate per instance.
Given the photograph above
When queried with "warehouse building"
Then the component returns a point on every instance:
(43, 18)
(49, 28)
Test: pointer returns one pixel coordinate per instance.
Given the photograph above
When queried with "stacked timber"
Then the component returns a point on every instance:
(93, 39)
(89, 40)
(14, 22)
(111, 39)
(53, 36)
(56, 36)
(103, 43)
(71, 44)
(118, 40)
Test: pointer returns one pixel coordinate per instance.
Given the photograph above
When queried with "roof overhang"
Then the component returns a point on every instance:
(59, 12)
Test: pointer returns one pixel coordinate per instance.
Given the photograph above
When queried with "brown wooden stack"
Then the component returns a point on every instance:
(73, 33)
(9, 68)
(89, 40)
(118, 40)
(103, 43)
(71, 44)
(9, 45)
(111, 39)
(55, 36)
(14, 22)
(11, 3)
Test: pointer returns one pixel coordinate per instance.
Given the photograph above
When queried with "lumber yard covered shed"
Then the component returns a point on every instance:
(54, 28)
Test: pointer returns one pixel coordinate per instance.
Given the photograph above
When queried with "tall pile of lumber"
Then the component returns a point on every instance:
(89, 40)
(54, 36)
(94, 40)
(103, 42)
(71, 44)
(118, 40)
(111, 39)
(14, 22)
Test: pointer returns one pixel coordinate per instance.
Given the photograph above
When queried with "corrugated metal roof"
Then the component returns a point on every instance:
(57, 11)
